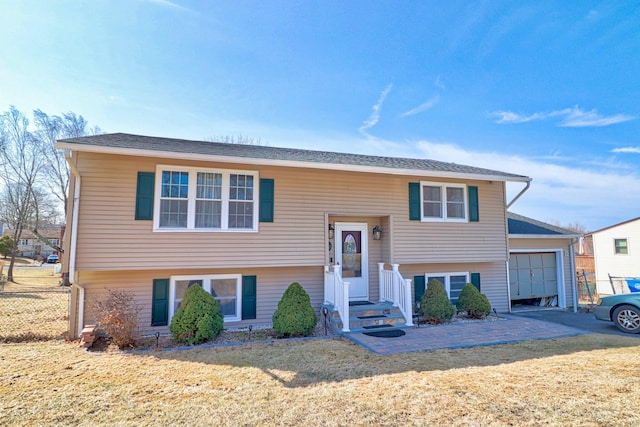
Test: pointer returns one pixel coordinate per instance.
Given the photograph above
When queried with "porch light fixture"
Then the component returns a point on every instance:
(377, 233)
(332, 231)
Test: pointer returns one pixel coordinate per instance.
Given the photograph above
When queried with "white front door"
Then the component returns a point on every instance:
(352, 255)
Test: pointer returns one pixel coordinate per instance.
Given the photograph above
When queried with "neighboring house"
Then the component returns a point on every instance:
(31, 246)
(616, 252)
(153, 215)
(541, 263)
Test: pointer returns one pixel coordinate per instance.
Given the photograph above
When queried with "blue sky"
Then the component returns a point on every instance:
(546, 89)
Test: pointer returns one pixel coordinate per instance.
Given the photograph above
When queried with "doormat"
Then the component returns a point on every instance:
(391, 333)
(373, 316)
(352, 303)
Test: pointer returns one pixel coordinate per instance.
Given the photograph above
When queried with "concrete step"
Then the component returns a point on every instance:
(375, 316)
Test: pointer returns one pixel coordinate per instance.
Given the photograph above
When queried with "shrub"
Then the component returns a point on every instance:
(294, 316)
(198, 319)
(473, 302)
(117, 317)
(435, 306)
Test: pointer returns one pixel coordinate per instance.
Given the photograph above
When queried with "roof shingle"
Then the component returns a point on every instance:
(170, 145)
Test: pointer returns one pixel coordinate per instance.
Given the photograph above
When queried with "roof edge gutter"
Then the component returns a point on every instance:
(526, 187)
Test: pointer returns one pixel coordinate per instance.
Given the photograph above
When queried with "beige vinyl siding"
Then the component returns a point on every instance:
(110, 239)
(493, 277)
(271, 284)
(546, 245)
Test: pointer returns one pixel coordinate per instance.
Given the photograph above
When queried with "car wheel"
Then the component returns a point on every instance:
(627, 319)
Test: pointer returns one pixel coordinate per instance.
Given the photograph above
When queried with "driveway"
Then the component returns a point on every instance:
(584, 321)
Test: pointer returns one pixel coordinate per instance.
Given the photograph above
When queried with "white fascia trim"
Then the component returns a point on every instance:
(285, 163)
(534, 250)
(543, 236)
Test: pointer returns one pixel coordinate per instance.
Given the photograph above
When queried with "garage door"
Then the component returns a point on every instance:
(533, 275)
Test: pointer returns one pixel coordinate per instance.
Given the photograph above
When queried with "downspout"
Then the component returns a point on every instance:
(74, 237)
(572, 263)
(508, 284)
(526, 187)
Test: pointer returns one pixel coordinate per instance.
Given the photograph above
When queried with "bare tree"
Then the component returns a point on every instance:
(22, 162)
(48, 130)
(35, 174)
(236, 139)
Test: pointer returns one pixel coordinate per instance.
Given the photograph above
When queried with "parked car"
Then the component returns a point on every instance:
(52, 259)
(623, 310)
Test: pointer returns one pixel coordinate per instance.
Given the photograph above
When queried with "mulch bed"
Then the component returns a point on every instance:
(227, 337)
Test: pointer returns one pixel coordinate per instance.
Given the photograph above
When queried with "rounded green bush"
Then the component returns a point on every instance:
(294, 316)
(435, 306)
(198, 319)
(473, 302)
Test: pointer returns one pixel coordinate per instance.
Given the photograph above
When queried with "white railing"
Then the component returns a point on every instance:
(397, 290)
(386, 283)
(336, 292)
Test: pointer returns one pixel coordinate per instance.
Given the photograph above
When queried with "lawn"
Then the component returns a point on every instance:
(35, 306)
(584, 380)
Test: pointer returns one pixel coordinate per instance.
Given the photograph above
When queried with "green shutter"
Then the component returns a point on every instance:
(414, 201)
(144, 195)
(266, 199)
(474, 208)
(249, 297)
(160, 302)
(418, 287)
(475, 280)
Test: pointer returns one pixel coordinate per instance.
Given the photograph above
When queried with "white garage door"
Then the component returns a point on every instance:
(533, 275)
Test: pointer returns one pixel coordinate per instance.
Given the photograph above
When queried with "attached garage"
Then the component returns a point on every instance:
(533, 275)
(541, 264)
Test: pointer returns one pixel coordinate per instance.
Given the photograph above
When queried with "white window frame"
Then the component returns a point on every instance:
(53, 242)
(206, 285)
(447, 279)
(443, 200)
(191, 199)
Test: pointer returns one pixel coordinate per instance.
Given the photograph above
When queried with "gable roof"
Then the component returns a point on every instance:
(149, 146)
(522, 226)
(613, 226)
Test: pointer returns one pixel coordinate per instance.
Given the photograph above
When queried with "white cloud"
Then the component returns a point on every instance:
(571, 117)
(511, 117)
(422, 107)
(635, 150)
(169, 4)
(375, 113)
(575, 117)
(565, 193)
(438, 83)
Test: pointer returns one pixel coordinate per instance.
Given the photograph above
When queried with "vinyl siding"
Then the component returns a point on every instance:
(109, 238)
(493, 277)
(271, 284)
(539, 245)
(607, 262)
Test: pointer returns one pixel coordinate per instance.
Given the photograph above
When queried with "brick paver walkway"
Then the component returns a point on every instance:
(508, 329)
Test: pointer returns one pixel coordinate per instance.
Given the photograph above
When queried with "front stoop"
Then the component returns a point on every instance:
(378, 316)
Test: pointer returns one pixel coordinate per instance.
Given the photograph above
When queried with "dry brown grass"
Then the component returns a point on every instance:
(34, 306)
(584, 380)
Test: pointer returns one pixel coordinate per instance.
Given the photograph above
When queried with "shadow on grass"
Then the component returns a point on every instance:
(302, 363)
(20, 295)
(23, 337)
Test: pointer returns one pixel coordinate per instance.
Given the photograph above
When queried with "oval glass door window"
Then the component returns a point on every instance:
(351, 260)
